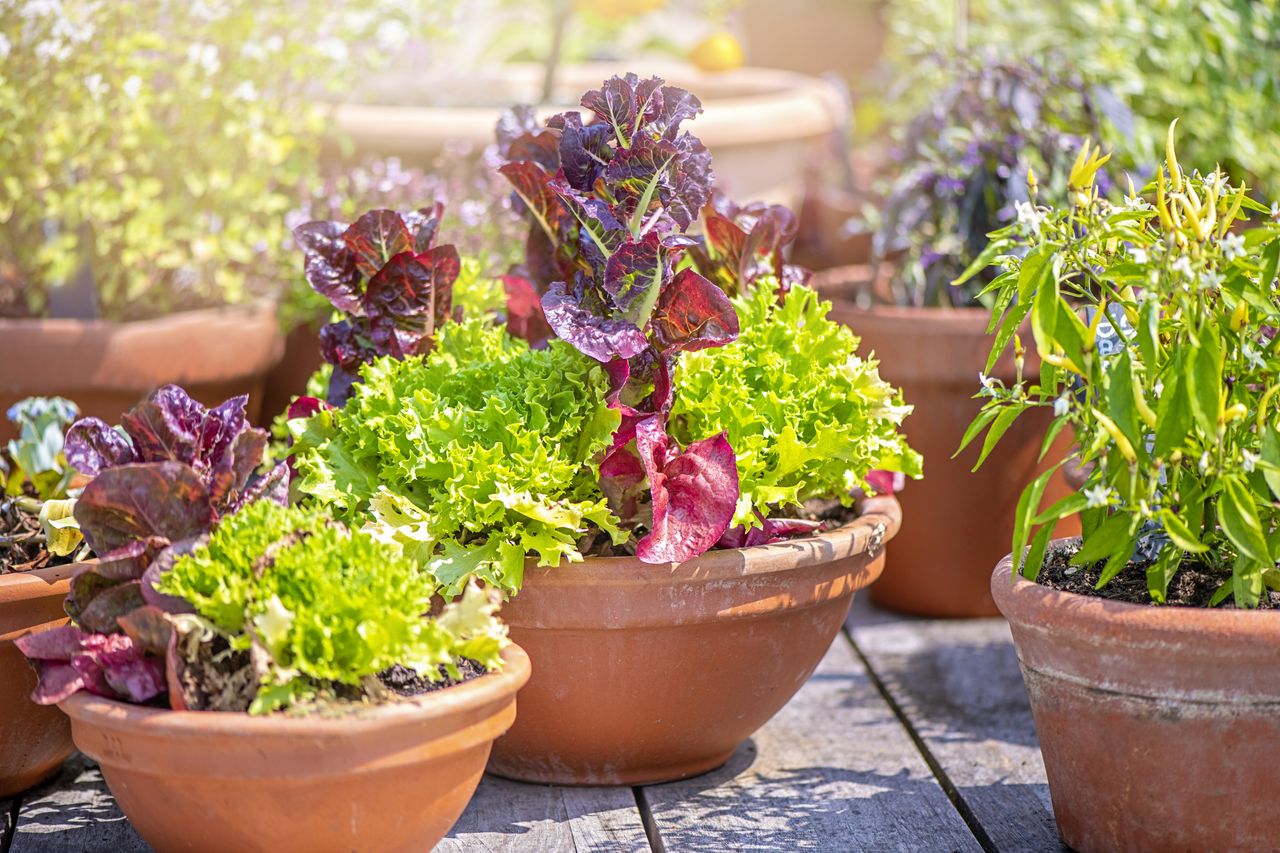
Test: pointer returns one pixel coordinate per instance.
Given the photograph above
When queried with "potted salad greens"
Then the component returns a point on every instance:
(961, 167)
(1151, 645)
(39, 542)
(665, 458)
(231, 659)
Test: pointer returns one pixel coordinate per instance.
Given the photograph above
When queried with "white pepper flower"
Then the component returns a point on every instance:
(1233, 246)
(1248, 460)
(1098, 496)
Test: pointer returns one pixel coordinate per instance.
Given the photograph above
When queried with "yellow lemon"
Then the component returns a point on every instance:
(719, 51)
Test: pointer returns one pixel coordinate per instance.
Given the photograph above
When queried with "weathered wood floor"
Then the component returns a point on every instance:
(913, 735)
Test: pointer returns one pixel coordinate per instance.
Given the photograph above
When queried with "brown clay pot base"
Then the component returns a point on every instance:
(1159, 726)
(1191, 586)
(34, 739)
(734, 632)
(394, 777)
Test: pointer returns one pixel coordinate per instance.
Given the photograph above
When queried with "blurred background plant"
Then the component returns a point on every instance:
(1214, 63)
(150, 149)
(960, 169)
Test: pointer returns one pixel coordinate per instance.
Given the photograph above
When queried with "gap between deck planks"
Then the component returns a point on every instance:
(834, 771)
(957, 685)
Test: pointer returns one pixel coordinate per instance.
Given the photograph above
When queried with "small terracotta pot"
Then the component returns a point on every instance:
(1160, 726)
(648, 673)
(957, 524)
(393, 778)
(107, 367)
(35, 739)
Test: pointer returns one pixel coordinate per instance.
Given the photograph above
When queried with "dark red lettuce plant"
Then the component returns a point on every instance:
(160, 482)
(383, 273)
(609, 201)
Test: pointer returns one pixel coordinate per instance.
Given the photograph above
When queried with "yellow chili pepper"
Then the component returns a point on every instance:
(1122, 443)
(1171, 158)
(1234, 413)
(1239, 316)
(1091, 334)
(1162, 205)
(1232, 211)
(1262, 406)
(1146, 412)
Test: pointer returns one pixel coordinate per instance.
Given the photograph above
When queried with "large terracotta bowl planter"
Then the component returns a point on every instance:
(957, 524)
(760, 124)
(392, 778)
(35, 739)
(1160, 726)
(107, 367)
(647, 673)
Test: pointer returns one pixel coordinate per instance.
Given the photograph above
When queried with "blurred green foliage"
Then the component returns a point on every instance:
(162, 142)
(1214, 63)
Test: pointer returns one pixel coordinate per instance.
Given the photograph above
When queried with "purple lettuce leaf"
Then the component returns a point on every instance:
(642, 174)
(110, 665)
(131, 502)
(692, 314)
(375, 238)
(330, 267)
(633, 277)
(101, 613)
(771, 530)
(694, 492)
(92, 446)
(51, 644)
(525, 318)
(423, 224)
(625, 103)
(584, 151)
(589, 331)
(149, 628)
(408, 297)
(532, 186)
(641, 385)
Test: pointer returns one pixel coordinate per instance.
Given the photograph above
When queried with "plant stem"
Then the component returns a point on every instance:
(560, 23)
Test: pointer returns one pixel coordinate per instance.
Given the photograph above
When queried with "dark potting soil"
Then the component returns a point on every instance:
(1193, 585)
(22, 543)
(406, 682)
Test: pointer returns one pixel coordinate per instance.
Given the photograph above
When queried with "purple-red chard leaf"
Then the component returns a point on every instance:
(588, 331)
(423, 225)
(524, 311)
(694, 493)
(92, 446)
(330, 267)
(633, 277)
(375, 238)
(626, 103)
(131, 502)
(692, 314)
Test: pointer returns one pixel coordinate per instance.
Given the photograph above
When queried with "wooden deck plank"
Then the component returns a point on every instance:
(835, 770)
(512, 817)
(74, 813)
(958, 685)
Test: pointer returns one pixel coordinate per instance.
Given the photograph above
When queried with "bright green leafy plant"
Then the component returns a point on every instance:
(1154, 317)
(36, 521)
(320, 609)
(469, 458)
(806, 415)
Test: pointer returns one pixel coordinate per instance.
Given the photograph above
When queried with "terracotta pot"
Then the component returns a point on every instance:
(394, 778)
(1160, 726)
(106, 367)
(956, 524)
(648, 673)
(36, 739)
(760, 124)
(288, 379)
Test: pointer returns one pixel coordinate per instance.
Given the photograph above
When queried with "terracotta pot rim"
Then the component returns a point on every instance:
(882, 513)
(804, 106)
(1026, 602)
(103, 326)
(104, 713)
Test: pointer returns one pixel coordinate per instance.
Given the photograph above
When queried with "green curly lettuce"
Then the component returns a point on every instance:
(321, 604)
(807, 417)
(470, 458)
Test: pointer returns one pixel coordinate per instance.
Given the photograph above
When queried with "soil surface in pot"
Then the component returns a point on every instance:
(22, 543)
(220, 679)
(1193, 585)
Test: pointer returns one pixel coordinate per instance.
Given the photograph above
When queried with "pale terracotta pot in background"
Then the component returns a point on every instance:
(1160, 726)
(956, 524)
(392, 778)
(645, 673)
(106, 367)
(760, 124)
(34, 739)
